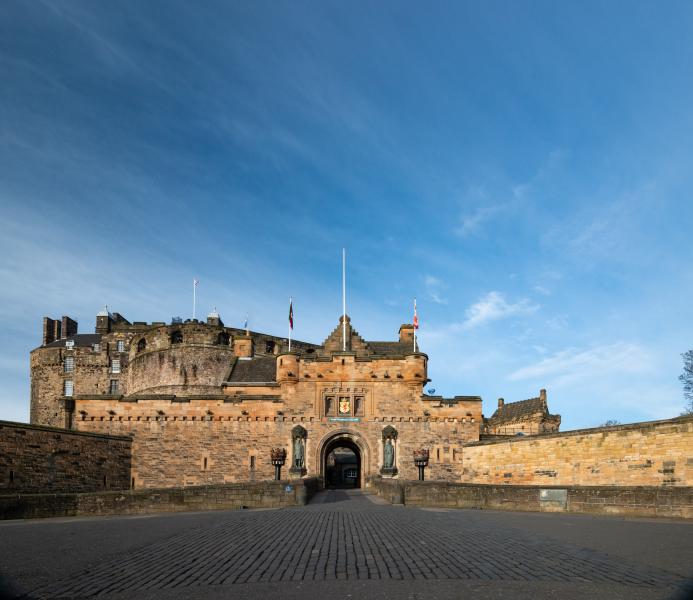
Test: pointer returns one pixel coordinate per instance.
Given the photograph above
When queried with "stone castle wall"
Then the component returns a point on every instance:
(211, 449)
(227, 436)
(37, 459)
(658, 453)
(150, 363)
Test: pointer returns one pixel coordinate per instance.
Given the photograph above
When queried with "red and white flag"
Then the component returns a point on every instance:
(416, 317)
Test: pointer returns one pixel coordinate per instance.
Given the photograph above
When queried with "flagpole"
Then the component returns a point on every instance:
(415, 324)
(343, 299)
(194, 296)
(290, 317)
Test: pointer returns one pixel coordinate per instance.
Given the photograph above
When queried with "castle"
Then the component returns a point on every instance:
(209, 404)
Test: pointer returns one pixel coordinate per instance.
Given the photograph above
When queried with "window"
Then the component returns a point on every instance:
(120, 346)
(115, 365)
(141, 345)
(68, 387)
(358, 406)
(269, 347)
(69, 343)
(252, 463)
(223, 339)
(96, 347)
(113, 387)
(69, 364)
(176, 337)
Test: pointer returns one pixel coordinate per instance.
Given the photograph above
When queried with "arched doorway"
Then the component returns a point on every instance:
(343, 460)
(342, 465)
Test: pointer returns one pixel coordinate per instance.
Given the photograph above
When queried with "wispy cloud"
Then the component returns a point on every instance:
(493, 307)
(574, 365)
(434, 288)
(472, 222)
(540, 289)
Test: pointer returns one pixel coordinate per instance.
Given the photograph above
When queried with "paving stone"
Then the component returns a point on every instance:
(350, 539)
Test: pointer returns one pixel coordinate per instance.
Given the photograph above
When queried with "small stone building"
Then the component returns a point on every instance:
(526, 417)
(205, 403)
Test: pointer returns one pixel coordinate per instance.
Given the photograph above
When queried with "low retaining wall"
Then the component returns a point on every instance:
(265, 494)
(645, 501)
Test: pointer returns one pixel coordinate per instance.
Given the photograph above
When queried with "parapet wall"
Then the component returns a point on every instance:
(37, 459)
(642, 501)
(655, 453)
(263, 494)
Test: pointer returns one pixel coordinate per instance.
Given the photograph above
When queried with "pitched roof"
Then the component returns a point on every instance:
(515, 411)
(391, 348)
(81, 340)
(259, 369)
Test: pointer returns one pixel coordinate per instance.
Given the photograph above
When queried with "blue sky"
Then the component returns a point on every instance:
(523, 169)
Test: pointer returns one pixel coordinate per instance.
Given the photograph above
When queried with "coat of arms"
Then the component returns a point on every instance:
(344, 406)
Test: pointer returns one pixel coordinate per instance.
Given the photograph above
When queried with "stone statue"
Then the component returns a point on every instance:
(388, 454)
(298, 452)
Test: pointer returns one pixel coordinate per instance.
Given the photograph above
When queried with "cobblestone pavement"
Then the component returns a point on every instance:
(345, 541)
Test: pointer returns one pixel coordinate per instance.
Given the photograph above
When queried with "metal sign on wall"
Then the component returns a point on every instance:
(345, 419)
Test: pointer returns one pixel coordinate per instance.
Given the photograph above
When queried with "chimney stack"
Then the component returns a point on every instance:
(542, 397)
(406, 334)
(68, 327)
(501, 402)
(51, 330)
(243, 346)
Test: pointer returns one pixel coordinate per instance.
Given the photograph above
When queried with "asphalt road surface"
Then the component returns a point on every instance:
(347, 544)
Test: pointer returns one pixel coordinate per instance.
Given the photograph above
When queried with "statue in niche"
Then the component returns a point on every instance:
(389, 435)
(298, 441)
(298, 453)
(388, 454)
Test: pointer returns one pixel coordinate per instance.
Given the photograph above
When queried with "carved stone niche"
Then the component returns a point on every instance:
(298, 451)
(389, 452)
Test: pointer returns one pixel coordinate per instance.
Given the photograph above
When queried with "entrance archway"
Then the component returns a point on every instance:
(343, 460)
(342, 465)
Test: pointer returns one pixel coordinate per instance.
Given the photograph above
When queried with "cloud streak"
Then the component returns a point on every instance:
(494, 307)
(572, 365)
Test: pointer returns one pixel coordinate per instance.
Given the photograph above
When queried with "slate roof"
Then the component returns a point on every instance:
(81, 340)
(259, 369)
(516, 411)
(391, 348)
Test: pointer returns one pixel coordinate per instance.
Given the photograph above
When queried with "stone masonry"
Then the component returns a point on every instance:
(36, 459)
(205, 404)
(657, 453)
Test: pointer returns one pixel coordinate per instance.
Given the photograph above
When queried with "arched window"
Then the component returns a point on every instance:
(141, 345)
(223, 339)
(177, 337)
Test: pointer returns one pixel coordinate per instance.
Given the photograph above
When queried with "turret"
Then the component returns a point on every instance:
(104, 321)
(287, 367)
